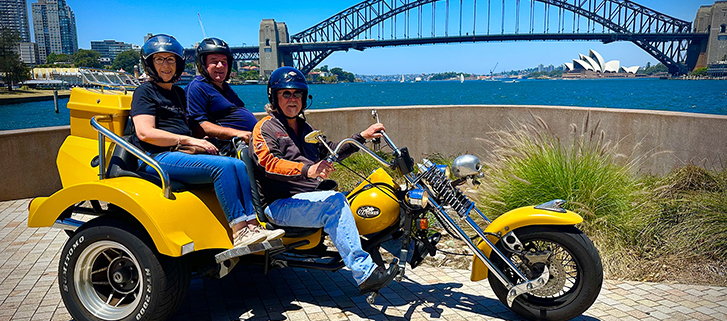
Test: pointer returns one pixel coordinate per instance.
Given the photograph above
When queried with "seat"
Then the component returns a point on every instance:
(290, 232)
(124, 164)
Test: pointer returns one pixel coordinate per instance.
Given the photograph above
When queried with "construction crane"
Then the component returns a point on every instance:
(493, 69)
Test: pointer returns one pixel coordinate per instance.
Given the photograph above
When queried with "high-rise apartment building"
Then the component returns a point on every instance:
(28, 52)
(110, 48)
(14, 15)
(54, 25)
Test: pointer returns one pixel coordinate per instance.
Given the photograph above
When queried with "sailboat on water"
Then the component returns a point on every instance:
(461, 78)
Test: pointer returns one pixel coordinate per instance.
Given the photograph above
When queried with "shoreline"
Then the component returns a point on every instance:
(24, 96)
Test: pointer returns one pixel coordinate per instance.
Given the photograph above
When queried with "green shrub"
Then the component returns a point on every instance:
(530, 165)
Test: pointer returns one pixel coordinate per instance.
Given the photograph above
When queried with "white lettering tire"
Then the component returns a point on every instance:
(109, 270)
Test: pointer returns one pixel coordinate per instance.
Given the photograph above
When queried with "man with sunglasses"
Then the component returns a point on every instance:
(211, 101)
(289, 170)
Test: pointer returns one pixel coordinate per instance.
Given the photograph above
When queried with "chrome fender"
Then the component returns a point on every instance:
(192, 216)
(519, 217)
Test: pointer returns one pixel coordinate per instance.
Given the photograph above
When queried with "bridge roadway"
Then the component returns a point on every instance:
(29, 290)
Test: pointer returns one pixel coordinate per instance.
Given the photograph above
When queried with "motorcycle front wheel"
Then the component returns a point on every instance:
(576, 273)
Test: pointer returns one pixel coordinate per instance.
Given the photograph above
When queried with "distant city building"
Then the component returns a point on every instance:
(54, 25)
(14, 15)
(717, 69)
(595, 62)
(29, 53)
(110, 48)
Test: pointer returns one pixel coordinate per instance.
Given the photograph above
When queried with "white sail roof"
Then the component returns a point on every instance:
(598, 58)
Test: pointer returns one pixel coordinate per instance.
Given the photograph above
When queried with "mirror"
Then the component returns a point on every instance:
(312, 137)
(375, 115)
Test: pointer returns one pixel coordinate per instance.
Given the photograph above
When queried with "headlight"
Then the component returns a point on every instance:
(466, 165)
(417, 198)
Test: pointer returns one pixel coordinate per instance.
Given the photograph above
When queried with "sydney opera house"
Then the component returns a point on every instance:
(595, 66)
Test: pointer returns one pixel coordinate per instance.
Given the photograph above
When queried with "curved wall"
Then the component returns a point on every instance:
(27, 160)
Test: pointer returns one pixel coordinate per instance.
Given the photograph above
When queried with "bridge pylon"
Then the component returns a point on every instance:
(272, 34)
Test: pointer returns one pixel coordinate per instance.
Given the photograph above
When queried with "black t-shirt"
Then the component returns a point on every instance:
(167, 106)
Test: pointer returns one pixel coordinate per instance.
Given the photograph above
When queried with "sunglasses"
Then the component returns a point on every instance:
(168, 60)
(288, 94)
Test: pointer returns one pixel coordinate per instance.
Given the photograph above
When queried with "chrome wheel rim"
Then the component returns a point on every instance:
(107, 280)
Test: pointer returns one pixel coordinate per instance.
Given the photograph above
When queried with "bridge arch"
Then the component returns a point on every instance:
(662, 36)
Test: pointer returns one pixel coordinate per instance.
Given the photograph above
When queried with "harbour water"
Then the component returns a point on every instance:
(707, 97)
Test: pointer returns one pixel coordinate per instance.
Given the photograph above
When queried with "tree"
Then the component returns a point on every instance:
(11, 65)
(324, 68)
(658, 68)
(59, 58)
(87, 58)
(342, 75)
(126, 61)
(699, 72)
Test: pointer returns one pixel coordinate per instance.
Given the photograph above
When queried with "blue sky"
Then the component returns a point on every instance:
(237, 22)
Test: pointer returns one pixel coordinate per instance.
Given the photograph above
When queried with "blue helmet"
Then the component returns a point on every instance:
(212, 46)
(157, 44)
(287, 78)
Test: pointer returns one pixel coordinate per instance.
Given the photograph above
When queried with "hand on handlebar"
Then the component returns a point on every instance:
(322, 169)
(374, 131)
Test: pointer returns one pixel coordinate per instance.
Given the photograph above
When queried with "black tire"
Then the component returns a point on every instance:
(110, 271)
(576, 273)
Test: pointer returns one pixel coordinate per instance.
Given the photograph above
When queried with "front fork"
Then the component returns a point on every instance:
(512, 242)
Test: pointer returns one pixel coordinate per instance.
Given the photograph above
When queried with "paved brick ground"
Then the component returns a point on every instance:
(29, 290)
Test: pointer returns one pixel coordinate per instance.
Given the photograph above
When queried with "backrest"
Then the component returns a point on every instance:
(122, 163)
(242, 153)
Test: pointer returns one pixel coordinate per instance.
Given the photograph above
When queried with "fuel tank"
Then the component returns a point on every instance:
(374, 203)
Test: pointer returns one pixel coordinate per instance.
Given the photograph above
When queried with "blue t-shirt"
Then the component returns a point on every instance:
(205, 102)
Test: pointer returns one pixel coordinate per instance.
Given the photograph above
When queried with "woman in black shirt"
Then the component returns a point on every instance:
(158, 110)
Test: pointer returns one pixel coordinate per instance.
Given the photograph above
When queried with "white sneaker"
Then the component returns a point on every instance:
(247, 237)
(269, 234)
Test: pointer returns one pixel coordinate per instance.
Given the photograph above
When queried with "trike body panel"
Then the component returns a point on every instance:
(192, 216)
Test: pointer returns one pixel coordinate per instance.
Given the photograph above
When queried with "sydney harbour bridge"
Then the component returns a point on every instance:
(385, 23)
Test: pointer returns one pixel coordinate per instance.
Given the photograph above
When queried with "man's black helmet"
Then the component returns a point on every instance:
(157, 44)
(211, 46)
(287, 78)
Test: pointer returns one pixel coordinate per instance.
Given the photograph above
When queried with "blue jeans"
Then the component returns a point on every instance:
(330, 210)
(228, 174)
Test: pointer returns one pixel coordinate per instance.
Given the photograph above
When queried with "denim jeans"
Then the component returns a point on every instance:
(228, 174)
(330, 210)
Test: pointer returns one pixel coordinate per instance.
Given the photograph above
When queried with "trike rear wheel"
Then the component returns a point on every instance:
(109, 271)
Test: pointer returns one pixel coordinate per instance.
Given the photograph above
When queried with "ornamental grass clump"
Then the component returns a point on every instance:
(530, 165)
(687, 220)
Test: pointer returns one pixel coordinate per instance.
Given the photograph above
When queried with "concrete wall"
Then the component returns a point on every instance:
(28, 161)
(27, 157)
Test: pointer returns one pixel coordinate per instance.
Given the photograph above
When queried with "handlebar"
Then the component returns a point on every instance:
(388, 140)
(361, 147)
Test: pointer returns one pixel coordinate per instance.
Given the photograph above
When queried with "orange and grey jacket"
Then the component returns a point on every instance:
(282, 158)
